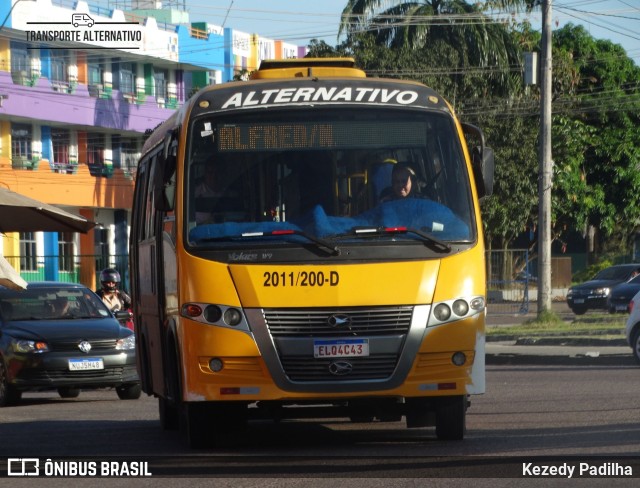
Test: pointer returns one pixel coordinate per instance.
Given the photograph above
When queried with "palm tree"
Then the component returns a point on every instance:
(416, 24)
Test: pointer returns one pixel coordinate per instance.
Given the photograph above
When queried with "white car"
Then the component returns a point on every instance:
(632, 329)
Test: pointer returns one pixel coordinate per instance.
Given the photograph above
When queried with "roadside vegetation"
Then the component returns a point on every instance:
(600, 325)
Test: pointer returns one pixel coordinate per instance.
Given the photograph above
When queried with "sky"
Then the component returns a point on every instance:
(299, 21)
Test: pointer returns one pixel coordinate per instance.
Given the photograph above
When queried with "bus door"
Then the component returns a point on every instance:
(149, 293)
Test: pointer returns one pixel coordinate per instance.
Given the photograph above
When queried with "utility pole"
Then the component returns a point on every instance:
(545, 167)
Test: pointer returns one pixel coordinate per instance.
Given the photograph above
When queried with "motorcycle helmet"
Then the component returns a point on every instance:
(110, 279)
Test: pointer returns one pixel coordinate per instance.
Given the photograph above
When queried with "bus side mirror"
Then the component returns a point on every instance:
(483, 167)
(482, 160)
(164, 187)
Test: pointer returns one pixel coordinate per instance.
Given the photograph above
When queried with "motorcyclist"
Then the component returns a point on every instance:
(112, 297)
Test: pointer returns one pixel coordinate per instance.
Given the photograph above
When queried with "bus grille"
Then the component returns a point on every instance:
(309, 324)
(309, 369)
(317, 322)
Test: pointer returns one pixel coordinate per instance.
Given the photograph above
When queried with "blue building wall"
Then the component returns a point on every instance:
(228, 55)
(208, 53)
(46, 142)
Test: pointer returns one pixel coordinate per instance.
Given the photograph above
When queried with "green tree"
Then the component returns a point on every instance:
(456, 25)
(606, 108)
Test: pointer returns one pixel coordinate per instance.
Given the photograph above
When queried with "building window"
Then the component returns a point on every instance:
(101, 237)
(127, 79)
(95, 78)
(21, 138)
(60, 142)
(28, 253)
(20, 67)
(65, 251)
(160, 85)
(129, 155)
(59, 72)
(95, 73)
(95, 148)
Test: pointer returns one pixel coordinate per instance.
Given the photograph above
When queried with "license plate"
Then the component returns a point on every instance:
(343, 348)
(578, 300)
(85, 364)
(621, 308)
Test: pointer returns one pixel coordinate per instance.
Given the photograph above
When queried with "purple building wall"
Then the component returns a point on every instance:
(78, 108)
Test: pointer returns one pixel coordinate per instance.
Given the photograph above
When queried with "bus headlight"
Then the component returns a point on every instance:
(216, 315)
(460, 308)
(212, 313)
(442, 312)
(232, 317)
(456, 309)
(477, 303)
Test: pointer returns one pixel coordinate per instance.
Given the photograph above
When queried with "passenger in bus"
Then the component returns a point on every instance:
(404, 184)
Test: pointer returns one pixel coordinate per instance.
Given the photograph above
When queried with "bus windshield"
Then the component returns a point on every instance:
(341, 175)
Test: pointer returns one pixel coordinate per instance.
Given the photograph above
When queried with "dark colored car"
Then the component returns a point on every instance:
(60, 336)
(622, 294)
(595, 293)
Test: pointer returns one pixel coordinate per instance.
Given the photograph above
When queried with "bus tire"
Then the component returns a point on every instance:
(169, 415)
(211, 424)
(195, 425)
(451, 418)
(169, 400)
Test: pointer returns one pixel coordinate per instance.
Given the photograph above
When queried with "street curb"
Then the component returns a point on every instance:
(559, 360)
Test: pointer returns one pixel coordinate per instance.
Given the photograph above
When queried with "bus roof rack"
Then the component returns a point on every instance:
(307, 67)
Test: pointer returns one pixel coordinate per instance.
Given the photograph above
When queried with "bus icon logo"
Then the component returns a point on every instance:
(81, 19)
(23, 467)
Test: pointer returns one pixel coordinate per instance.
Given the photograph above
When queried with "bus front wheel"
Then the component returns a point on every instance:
(210, 424)
(169, 416)
(451, 418)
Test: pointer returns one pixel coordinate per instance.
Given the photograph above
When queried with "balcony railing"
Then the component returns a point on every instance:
(21, 162)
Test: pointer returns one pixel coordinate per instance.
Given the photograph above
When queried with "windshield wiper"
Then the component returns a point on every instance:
(439, 245)
(335, 251)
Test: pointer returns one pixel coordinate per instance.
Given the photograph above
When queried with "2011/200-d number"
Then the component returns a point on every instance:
(301, 278)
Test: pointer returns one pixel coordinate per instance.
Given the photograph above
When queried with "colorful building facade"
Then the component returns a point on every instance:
(79, 87)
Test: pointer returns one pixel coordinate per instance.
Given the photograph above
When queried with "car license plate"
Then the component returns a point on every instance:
(85, 364)
(621, 308)
(578, 300)
(343, 348)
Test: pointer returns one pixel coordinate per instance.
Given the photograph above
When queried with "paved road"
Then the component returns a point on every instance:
(567, 412)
